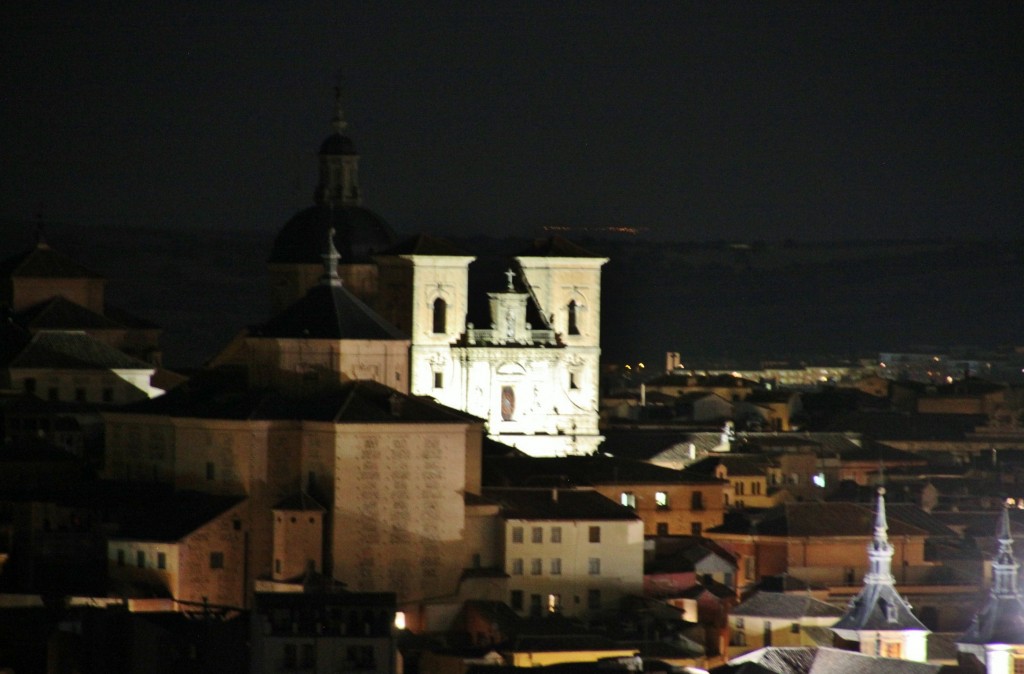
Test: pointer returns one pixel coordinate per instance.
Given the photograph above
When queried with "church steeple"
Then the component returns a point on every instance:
(880, 551)
(339, 163)
(1004, 566)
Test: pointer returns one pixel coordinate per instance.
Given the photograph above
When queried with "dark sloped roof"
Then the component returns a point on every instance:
(73, 351)
(300, 500)
(787, 606)
(425, 244)
(211, 397)
(735, 464)
(60, 313)
(525, 471)
(828, 519)
(558, 504)
(173, 516)
(815, 660)
(336, 144)
(44, 262)
(328, 312)
(868, 611)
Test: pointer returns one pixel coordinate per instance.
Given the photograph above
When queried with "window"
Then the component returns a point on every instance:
(556, 534)
(661, 499)
(595, 534)
(291, 656)
(440, 316)
(516, 600)
(593, 599)
(572, 381)
(120, 557)
(161, 560)
(536, 567)
(573, 309)
(695, 528)
(517, 534)
(767, 633)
(795, 628)
(537, 535)
(517, 566)
(438, 380)
(755, 488)
(308, 656)
(216, 560)
(662, 528)
(210, 471)
(737, 487)
(140, 559)
(554, 603)
(535, 605)
(628, 499)
(594, 566)
(894, 649)
(697, 500)
(556, 567)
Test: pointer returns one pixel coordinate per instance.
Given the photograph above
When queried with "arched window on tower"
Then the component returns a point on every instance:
(574, 328)
(440, 316)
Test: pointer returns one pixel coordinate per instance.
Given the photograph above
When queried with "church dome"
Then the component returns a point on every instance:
(359, 234)
(337, 144)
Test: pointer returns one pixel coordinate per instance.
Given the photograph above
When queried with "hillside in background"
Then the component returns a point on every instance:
(709, 301)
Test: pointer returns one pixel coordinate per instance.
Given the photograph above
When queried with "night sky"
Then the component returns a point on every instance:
(689, 120)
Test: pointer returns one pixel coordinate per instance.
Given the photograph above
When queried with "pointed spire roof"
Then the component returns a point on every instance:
(338, 143)
(1001, 621)
(878, 606)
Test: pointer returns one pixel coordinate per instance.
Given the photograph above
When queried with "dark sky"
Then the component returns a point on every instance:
(691, 120)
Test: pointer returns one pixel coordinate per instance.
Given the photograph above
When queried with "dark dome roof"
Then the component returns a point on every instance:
(337, 144)
(359, 233)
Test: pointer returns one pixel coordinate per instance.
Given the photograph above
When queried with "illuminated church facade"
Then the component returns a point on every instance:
(514, 341)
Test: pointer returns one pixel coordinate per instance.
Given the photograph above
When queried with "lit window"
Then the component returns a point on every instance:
(628, 499)
(554, 603)
(661, 499)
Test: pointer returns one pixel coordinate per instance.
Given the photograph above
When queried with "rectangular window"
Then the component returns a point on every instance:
(140, 559)
(697, 500)
(517, 534)
(120, 557)
(537, 534)
(216, 560)
(536, 567)
(737, 487)
(795, 628)
(594, 534)
(593, 599)
(210, 471)
(755, 488)
(628, 499)
(556, 567)
(572, 381)
(661, 528)
(556, 534)
(695, 528)
(554, 603)
(517, 566)
(516, 599)
(161, 560)
(661, 499)
(594, 566)
(438, 380)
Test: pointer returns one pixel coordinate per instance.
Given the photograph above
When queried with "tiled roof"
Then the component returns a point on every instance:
(735, 464)
(787, 606)
(68, 350)
(328, 312)
(352, 402)
(813, 660)
(44, 262)
(174, 516)
(558, 504)
(581, 471)
(829, 519)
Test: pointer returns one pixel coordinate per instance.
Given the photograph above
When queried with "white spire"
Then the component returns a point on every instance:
(1004, 566)
(880, 551)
